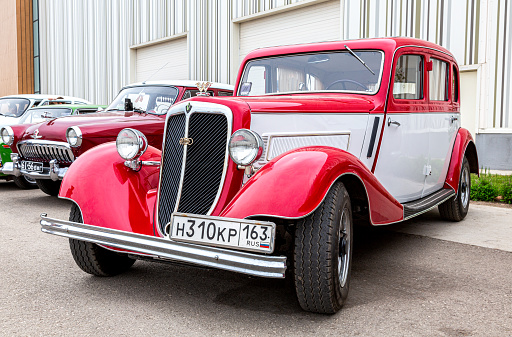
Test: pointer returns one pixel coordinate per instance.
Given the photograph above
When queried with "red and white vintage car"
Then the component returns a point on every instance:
(322, 136)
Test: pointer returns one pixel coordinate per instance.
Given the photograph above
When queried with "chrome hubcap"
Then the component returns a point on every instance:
(464, 187)
(344, 244)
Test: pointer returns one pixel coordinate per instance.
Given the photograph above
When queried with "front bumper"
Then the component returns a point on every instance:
(54, 172)
(165, 249)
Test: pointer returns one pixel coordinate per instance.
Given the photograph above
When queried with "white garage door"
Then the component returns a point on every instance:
(315, 23)
(171, 55)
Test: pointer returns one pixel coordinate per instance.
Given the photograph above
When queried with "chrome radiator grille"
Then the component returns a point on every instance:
(46, 151)
(201, 175)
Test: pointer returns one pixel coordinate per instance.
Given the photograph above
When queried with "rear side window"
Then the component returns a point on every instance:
(409, 77)
(455, 84)
(438, 81)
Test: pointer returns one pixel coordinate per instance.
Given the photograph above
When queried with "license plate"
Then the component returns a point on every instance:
(257, 236)
(30, 166)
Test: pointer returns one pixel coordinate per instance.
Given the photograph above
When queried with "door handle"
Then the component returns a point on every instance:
(453, 119)
(390, 121)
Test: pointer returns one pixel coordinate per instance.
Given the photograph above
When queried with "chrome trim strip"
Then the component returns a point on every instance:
(161, 248)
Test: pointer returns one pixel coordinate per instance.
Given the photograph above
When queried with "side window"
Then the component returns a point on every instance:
(438, 88)
(455, 84)
(409, 77)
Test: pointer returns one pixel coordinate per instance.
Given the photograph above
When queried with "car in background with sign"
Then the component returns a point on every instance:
(39, 114)
(321, 137)
(45, 151)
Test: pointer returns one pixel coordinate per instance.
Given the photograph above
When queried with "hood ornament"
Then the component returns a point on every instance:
(203, 88)
(36, 135)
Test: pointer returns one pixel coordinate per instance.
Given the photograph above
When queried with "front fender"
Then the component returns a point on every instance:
(463, 146)
(294, 184)
(111, 195)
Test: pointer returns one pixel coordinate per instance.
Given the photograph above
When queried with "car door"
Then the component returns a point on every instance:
(404, 148)
(444, 121)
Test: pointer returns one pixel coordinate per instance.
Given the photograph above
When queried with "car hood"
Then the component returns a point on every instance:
(314, 103)
(56, 129)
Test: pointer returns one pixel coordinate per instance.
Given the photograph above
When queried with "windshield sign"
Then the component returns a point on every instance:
(13, 107)
(353, 71)
(149, 99)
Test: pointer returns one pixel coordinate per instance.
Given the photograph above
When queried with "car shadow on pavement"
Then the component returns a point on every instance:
(385, 265)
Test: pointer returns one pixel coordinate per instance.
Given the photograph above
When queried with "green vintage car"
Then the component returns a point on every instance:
(37, 115)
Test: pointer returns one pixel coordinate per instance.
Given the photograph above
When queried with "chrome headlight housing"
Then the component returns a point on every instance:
(74, 136)
(245, 147)
(7, 135)
(131, 144)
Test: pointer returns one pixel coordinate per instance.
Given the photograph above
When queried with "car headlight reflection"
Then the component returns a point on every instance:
(7, 135)
(131, 144)
(245, 147)
(74, 136)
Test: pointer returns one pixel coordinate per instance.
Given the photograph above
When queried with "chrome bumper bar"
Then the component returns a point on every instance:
(165, 249)
(54, 172)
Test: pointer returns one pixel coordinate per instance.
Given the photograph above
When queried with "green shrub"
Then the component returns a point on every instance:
(482, 189)
(491, 187)
(506, 192)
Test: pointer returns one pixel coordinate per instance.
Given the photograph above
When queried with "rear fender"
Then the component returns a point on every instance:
(464, 146)
(293, 185)
(111, 195)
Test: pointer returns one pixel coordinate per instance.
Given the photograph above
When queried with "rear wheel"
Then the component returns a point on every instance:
(456, 208)
(94, 259)
(323, 254)
(48, 186)
(24, 182)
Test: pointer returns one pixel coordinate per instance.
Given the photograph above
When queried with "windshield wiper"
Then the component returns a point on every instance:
(139, 110)
(359, 59)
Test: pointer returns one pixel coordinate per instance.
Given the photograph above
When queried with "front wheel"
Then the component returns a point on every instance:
(456, 208)
(24, 182)
(94, 259)
(49, 187)
(323, 253)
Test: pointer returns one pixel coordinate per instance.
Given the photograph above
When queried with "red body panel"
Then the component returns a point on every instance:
(294, 184)
(118, 197)
(462, 141)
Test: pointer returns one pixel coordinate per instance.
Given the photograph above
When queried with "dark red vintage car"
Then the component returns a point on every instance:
(45, 151)
(322, 137)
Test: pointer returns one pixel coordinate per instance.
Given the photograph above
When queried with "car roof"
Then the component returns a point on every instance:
(389, 43)
(39, 96)
(182, 83)
(57, 106)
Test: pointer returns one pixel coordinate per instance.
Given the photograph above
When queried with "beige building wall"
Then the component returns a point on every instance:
(8, 48)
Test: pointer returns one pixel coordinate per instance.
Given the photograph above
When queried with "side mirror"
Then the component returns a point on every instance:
(128, 105)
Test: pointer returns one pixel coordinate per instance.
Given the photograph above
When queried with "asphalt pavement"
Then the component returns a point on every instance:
(424, 277)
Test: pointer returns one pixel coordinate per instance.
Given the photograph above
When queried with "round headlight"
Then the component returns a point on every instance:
(245, 147)
(131, 144)
(74, 136)
(7, 135)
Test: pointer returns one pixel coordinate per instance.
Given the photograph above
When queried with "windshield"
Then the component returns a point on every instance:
(41, 115)
(356, 72)
(13, 107)
(150, 99)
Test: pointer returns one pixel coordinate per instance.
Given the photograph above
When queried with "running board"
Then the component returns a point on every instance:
(417, 207)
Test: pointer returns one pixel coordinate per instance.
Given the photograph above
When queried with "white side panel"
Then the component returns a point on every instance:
(403, 156)
(351, 128)
(313, 23)
(441, 138)
(163, 61)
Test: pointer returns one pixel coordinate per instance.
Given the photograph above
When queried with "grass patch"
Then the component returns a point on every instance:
(491, 187)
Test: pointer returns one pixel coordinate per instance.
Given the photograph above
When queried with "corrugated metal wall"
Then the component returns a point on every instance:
(85, 44)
